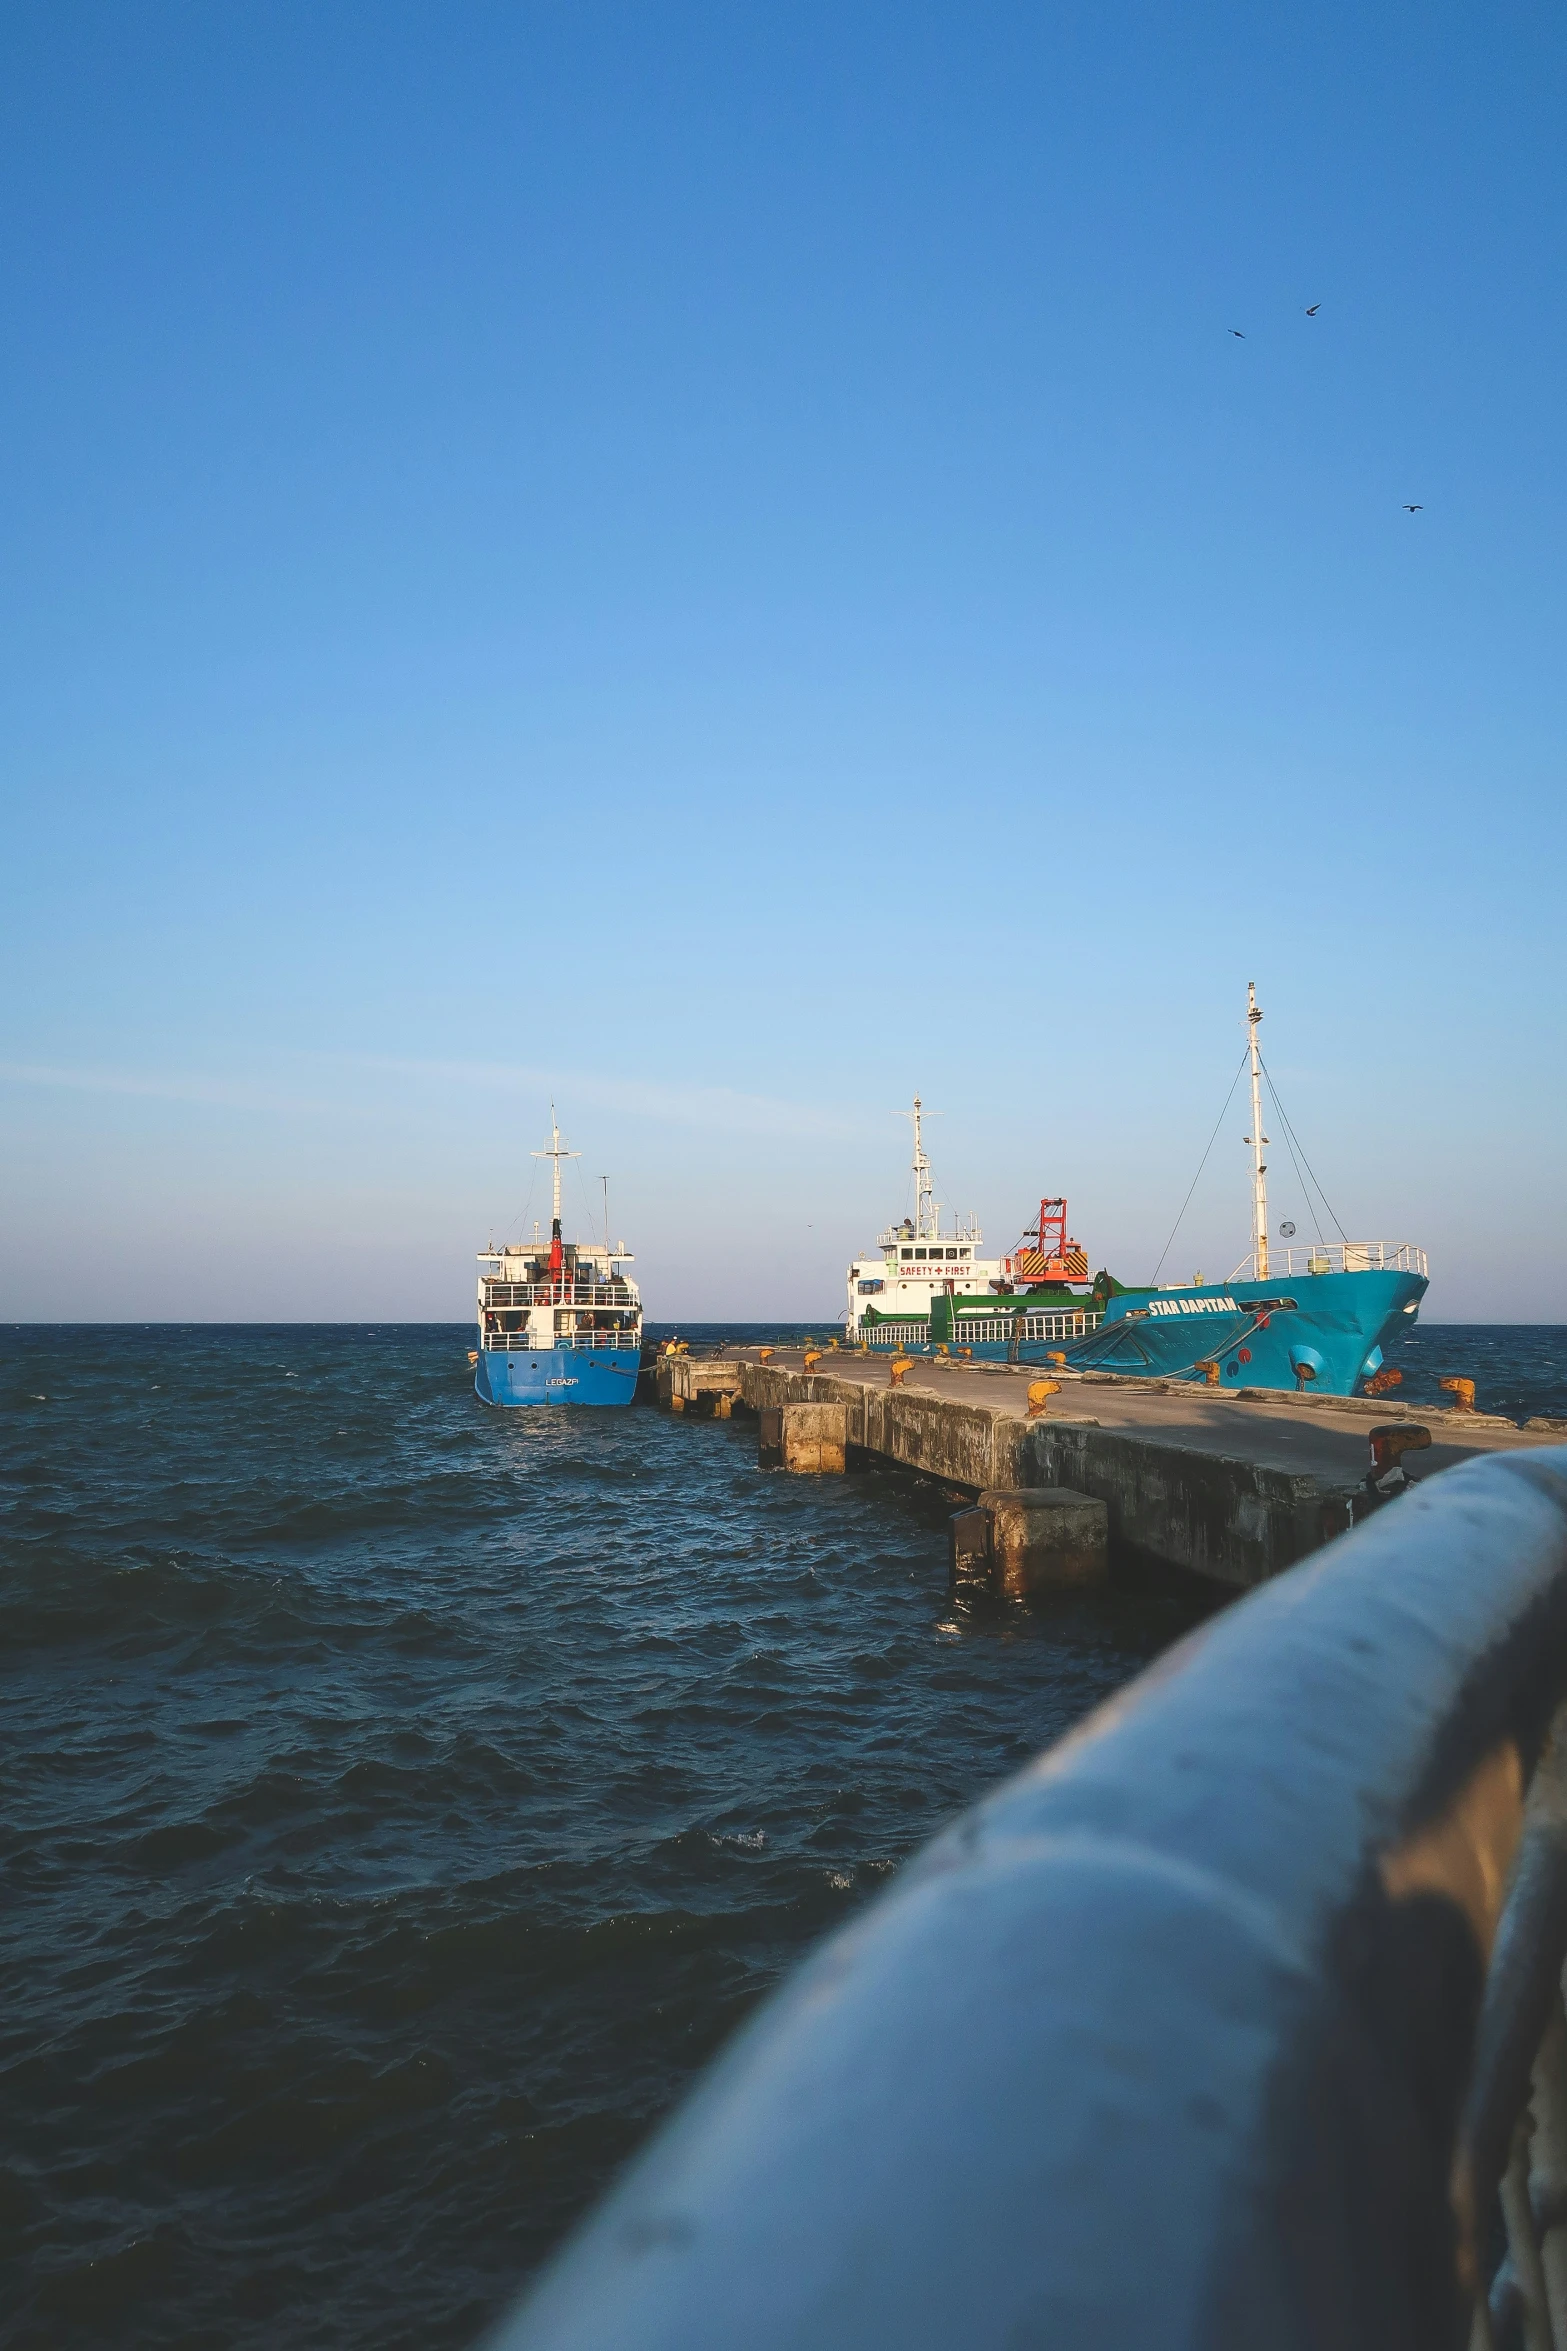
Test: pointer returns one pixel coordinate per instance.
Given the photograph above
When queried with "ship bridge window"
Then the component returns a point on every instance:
(919, 1253)
(908, 1253)
(963, 1253)
(952, 1252)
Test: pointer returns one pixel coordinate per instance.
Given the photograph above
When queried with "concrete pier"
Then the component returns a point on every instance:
(1234, 1486)
(706, 1384)
(1045, 1537)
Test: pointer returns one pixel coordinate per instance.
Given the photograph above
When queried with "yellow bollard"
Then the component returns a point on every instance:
(865, 1346)
(813, 1356)
(942, 1347)
(472, 1356)
(1209, 1370)
(967, 1354)
(1462, 1393)
(763, 1354)
(900, 1364)
(1039, 1395)
(1053, 1357)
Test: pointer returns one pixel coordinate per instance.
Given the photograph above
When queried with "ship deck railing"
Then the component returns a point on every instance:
(985, 1330)
(1333, 1257)
(558, 1291)
(525, 1343)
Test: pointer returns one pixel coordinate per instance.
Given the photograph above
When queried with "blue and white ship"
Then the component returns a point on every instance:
(560, 1322)
(1316, 1318)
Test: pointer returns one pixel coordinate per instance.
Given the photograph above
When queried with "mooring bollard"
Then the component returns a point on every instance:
(1462, 1393)
(1039, 1395)
(899, 1365)
(1209, 1369)
(764, 1355)
(1389, 1444)
(813, 1356)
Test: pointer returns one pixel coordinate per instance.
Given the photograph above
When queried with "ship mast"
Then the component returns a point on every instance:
(925, 1214)
(557, 1155)
(1259, 1201)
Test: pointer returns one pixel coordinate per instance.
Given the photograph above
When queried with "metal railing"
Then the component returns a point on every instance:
(988, 1330)
(965, 1238)
(559, 1292)
(522, 1343)
(1335, 1257)
(896, 1335)
(1200, 2031)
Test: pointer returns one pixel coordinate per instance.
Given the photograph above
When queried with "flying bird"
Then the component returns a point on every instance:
(1237, 331)
(1414, 510)
(1312, 312)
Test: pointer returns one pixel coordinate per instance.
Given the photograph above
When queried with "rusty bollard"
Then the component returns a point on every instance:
(1039, 1395)
(900, 1364)
(1462, 1393)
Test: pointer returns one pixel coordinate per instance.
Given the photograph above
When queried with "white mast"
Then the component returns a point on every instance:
(1259, 1203)
(557, 1154)
(926, 1216)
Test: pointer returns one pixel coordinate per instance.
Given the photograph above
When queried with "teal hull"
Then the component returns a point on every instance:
(1326, 1332)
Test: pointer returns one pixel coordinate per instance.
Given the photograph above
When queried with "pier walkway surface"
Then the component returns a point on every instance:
(1234, 1485)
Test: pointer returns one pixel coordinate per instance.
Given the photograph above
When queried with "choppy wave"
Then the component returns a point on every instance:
(401, 1799)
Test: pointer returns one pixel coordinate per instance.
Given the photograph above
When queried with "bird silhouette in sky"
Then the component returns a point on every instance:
(1237, 331)
(1414, 510)
(1312, 312)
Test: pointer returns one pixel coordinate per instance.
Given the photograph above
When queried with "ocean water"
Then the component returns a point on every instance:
(1519, 1369)
(403, 1799)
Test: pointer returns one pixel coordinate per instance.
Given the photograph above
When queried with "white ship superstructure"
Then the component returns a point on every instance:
(916, 1261)
(560, 1322)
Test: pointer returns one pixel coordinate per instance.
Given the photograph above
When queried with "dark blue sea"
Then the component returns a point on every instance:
(402, 1799)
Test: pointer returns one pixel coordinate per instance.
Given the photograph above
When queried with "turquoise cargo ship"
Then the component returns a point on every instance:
(560, 1322)
(1311, 1318)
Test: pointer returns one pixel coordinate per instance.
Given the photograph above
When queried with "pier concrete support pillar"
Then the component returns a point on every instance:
(815, 1438)
(1042, 1537)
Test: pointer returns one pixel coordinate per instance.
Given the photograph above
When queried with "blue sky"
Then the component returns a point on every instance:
(724, 563)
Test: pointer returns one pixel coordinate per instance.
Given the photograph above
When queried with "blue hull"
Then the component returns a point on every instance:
(557, 1375)
(1320, 1331)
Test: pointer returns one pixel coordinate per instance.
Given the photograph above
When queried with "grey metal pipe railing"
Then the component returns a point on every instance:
(1184, 2037)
